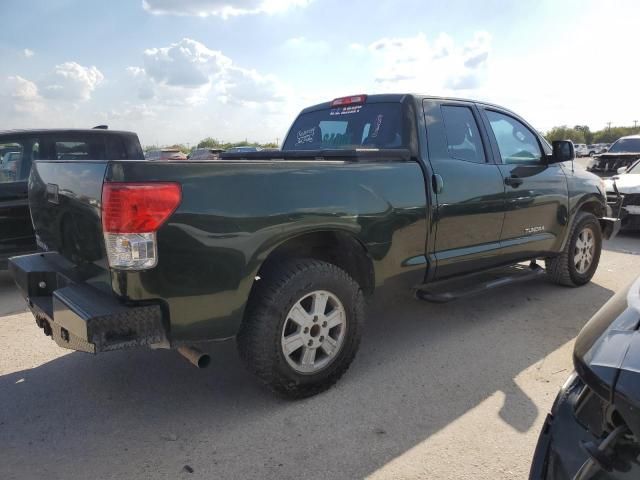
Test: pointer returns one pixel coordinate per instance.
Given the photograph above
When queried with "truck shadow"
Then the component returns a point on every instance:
(420, 367)
(10, 299)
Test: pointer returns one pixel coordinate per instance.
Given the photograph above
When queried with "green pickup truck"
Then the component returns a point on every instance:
(279, 249)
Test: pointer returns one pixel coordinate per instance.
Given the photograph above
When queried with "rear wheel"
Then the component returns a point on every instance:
(302, 327)
(579, 260)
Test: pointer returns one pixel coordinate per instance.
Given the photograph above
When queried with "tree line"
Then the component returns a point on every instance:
(577, 134)
(211, 142)
(582, 134)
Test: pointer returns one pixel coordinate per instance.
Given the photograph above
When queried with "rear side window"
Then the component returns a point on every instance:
(10, 160)
(463, 136)
(517, 144)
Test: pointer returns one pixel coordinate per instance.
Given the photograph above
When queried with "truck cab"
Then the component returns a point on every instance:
(20, 148)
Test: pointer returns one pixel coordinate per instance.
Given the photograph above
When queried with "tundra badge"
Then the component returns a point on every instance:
(536, 229)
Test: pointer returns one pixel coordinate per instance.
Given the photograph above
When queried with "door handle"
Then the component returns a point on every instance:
(513, 181)
(437, 183)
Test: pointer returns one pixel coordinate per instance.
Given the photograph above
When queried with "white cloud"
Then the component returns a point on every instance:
(416, 64)
(248, 87)
(303, 47)
(131, 112)
(219, 8)
(28, 53)
(188, 64)
(71, 81)
(23, 95)
(189, 73)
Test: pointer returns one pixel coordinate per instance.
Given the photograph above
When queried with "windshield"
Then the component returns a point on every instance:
(626, 145)
(635, 168)
(373, 125)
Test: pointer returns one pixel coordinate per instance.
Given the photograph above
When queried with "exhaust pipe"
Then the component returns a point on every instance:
(195, 356)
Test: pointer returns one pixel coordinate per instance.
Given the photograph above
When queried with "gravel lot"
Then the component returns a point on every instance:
(437, 391)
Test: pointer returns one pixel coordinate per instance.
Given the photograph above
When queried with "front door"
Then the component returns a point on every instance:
(468, 188)
(536, 194)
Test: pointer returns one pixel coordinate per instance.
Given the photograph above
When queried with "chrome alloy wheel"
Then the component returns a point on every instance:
(584, 250)
(313, 332)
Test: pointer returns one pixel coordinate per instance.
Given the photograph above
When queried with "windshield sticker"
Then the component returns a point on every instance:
(345, 110)
(376, 129)
(305, 136)
(336, 140)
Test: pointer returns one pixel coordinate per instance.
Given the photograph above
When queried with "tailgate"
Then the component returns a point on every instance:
(65, 198)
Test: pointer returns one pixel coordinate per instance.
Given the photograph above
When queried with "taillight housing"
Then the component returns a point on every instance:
(131, 215)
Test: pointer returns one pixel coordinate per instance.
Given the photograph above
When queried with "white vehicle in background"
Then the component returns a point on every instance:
(627, 182)
(580, 149)
(593, 149)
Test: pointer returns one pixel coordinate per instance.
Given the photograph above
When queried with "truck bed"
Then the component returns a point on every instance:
(233, 214)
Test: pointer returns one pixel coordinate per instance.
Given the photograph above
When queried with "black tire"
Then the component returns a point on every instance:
(562, 269)
(259, 338)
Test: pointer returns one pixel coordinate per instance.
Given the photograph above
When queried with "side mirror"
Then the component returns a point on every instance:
(563, 151)
(623, 169)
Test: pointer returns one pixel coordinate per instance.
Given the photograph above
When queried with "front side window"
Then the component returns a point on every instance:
(517, 144)
(463, 136)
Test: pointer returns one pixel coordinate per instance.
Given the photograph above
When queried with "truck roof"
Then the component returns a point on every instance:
(401, 97)
(63, 131)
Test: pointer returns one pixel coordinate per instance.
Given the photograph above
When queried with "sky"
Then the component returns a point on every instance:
(176, 71)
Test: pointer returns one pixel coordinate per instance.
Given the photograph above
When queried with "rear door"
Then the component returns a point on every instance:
(468, 187)
(16, 232)
(536, 193)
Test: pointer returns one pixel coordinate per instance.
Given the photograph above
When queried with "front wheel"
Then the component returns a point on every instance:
(578, 262)
(303, 326)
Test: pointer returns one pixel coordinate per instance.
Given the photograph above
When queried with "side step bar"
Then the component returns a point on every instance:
(454, 289)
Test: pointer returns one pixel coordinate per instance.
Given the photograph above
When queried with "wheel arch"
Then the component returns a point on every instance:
(589, 204)
(338, 247)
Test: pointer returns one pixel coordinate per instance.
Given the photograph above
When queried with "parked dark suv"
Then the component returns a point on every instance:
(20, 148)
(593, 429)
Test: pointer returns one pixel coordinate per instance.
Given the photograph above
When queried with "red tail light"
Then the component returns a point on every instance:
(352, 100)
(138, 207)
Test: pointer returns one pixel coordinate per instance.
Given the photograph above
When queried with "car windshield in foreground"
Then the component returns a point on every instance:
(626, 145)
(635, 168)
(369, 125)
